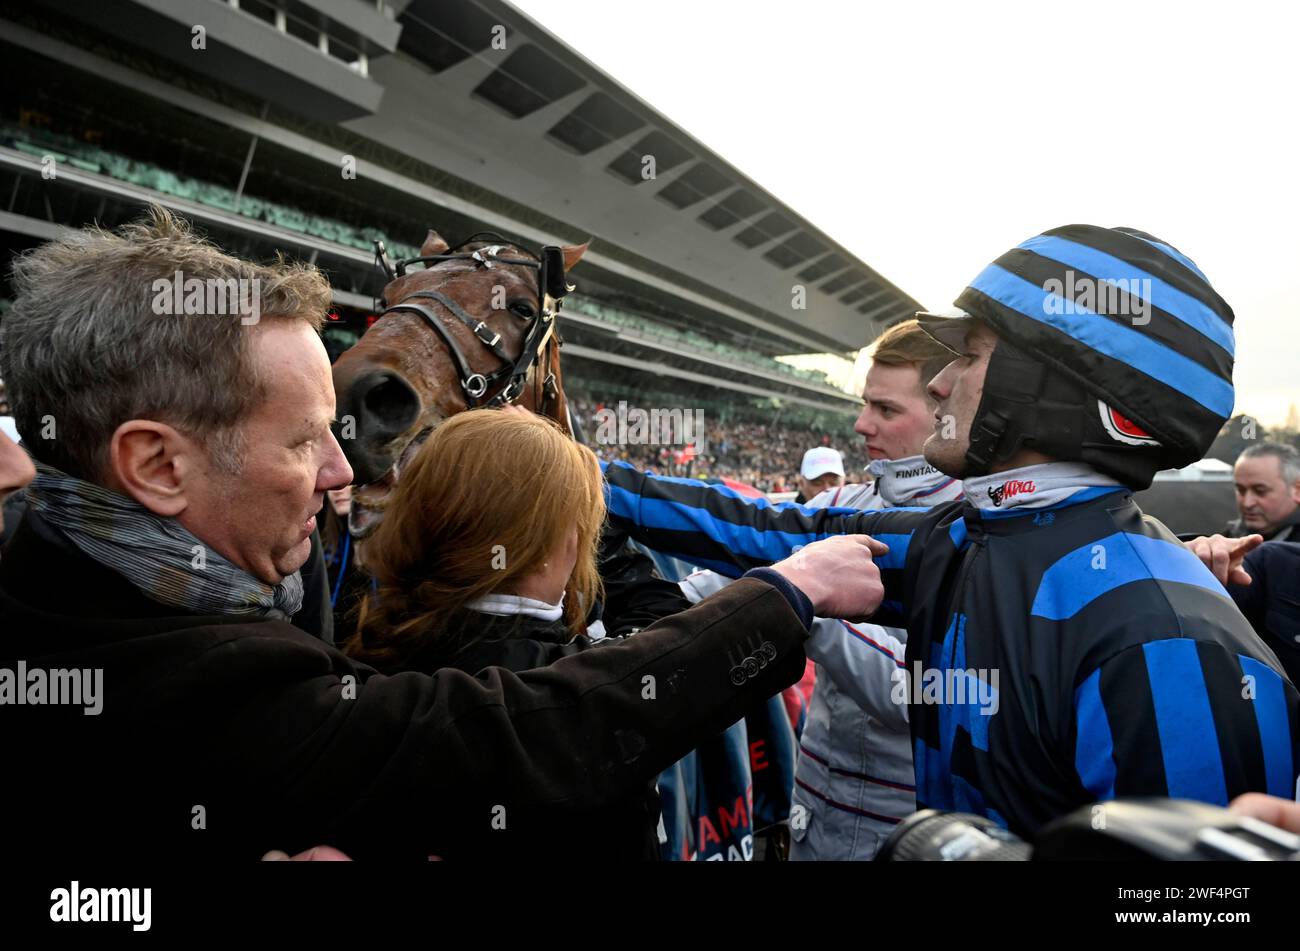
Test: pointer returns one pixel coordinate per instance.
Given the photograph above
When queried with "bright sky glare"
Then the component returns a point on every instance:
(928, 138)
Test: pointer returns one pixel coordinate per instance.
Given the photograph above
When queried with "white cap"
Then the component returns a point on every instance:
(820, 461)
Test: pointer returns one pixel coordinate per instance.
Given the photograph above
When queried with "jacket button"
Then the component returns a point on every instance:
(738, 676)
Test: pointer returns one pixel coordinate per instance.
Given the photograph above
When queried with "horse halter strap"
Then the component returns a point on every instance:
(551, 286)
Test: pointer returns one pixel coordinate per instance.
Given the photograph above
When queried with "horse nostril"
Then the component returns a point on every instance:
(390, 403)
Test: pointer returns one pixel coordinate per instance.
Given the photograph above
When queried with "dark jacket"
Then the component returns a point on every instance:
(1271, 602)
(636, 595)
(224, 738)
(11, 513)
(1288, 531)
(316, 616)
(624, 830)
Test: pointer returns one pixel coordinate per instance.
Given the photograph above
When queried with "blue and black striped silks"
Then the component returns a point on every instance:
(1129, 317)
(1054, 658)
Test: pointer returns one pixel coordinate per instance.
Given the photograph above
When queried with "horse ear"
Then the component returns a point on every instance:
(573, 253)
(433, 244)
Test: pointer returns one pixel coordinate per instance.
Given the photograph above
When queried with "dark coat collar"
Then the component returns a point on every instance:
(71, 596)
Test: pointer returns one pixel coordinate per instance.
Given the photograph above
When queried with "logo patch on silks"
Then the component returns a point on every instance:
(1010, 489)
(1122, 429)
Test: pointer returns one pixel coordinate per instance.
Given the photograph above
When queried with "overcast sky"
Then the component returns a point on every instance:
(928, 138)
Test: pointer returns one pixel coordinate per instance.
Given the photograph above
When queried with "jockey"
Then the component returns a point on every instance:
(1063, 648)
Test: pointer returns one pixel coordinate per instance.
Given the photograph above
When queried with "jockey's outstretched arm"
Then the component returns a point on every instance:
(712, 526)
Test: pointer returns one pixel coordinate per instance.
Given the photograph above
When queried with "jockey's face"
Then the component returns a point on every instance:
(957, 390)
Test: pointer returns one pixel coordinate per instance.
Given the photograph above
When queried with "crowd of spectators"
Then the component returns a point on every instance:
(765, 455)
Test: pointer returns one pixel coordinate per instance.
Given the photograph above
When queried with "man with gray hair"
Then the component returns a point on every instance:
(1267, 482)
(178, 405)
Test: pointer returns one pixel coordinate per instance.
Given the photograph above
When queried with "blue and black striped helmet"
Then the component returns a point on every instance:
(1129, 318)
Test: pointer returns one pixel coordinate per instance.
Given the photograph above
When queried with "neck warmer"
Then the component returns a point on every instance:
(507, 604)
(165, 561)
(1033, 487)
(912, 481)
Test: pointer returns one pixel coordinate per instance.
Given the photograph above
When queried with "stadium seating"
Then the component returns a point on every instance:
(83, 155)
(688, 340)
(91, 158)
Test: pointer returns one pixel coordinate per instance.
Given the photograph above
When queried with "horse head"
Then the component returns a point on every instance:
(403, 378)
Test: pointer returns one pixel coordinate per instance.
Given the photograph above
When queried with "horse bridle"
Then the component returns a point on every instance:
(552, 285)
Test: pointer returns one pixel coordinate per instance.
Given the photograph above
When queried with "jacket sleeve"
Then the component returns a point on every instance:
(368, 762)
(715, 527)
(865, 661)
(1224, 724)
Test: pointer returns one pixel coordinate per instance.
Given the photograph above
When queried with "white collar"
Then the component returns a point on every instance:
(904, 481)
(507, 604)
(1032, 487)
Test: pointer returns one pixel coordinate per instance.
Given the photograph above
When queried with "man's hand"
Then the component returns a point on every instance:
(1223, 556)
(320, 853)
(838, 576)
(1282, 813)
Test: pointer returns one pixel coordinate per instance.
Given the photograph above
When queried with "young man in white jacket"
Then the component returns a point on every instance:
(854, 779)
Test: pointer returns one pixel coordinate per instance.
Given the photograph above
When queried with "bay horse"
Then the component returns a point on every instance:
(476, 326)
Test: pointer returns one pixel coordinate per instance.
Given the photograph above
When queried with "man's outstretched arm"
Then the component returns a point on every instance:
(371, 763)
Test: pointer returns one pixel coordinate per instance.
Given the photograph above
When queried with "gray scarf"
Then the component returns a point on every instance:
(165, 561)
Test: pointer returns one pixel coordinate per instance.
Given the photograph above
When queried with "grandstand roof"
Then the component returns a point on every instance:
(540, 123)
(690, 274)
(525, 122)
